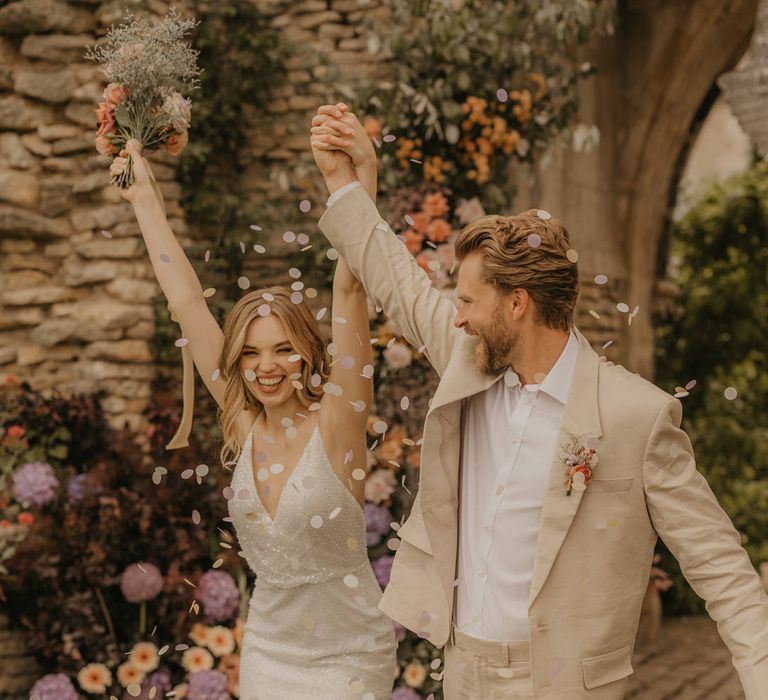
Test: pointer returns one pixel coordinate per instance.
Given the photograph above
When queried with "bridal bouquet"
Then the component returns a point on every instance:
(150, 68)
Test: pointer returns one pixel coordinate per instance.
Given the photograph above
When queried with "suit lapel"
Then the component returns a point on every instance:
(581, 419)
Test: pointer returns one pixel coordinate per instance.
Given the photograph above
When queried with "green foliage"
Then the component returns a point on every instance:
(451, 58)
(721, 341)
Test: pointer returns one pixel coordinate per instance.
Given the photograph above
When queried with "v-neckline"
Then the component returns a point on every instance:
(273, 519)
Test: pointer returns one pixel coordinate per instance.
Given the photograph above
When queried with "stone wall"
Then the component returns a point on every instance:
(76, 290)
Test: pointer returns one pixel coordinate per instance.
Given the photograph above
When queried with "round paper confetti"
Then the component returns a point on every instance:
(621, 306)
(297, 297)
(502, 95)
(311, 293)
(316, 521)
(534, 240)
(196, 517)
(289, 236)
(181, 342)
(263, 474)
(690, 385)
(332, 254)
(255, 227)
(358, 474)
(730, 393)
(302, 239)
(277, 468)
(264, 310)
(380, 427)
(543, 214)
(389, 138)
(358, 406)
(294, 272)
(572, 255)
(243, 282)
(350, 581)
(601, 279)
(332, 349)
(257, 248)
(164, 258)
(209, 292)
(228, 492)
(106, 234)
(250, 375)
(201, 470)
(404, 403)
(367, 371)
(393, 544)
(304, 206)
(134, 690)
(319, 315)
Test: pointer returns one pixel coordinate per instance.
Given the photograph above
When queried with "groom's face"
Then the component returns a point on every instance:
(482, 313)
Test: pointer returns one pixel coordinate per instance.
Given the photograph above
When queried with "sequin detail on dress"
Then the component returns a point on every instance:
(314, 629)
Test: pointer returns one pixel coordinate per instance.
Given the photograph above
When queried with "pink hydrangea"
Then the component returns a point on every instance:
(138, 586)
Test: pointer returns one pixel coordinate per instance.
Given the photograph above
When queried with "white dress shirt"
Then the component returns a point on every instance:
(509, 436)
(338, 194)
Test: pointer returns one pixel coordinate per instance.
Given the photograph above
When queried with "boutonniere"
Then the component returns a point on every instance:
(580, 459)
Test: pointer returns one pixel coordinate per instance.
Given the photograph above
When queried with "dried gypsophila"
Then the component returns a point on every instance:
(148, 66)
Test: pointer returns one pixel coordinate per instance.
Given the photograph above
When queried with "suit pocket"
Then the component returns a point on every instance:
(608, 485)
(607, 668)
(413, 531)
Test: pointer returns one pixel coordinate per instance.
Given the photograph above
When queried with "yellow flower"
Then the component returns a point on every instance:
(197, 659)
(128, 673)
(414, 674)
(221, 641)
(145, 657)
(94, 678)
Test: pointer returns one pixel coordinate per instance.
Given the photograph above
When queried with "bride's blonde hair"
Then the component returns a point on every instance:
(305, 336)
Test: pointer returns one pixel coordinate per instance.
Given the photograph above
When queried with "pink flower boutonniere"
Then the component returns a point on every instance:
(580, 460)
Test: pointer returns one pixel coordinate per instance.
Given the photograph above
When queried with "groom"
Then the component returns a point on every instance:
(547, 474)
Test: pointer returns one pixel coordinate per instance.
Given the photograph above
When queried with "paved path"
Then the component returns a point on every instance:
(689, 662)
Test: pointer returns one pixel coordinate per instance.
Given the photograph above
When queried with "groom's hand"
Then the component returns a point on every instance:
(335, 165)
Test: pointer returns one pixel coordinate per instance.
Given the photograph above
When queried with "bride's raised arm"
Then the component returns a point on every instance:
(173, 270)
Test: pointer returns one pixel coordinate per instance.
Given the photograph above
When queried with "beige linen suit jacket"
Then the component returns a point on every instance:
(595, 547)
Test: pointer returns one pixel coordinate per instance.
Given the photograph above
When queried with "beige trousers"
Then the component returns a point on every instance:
(477, 669)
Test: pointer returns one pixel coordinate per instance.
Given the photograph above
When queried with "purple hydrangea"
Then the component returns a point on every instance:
(34, 484)
(80, 486)
(54, 686)
(160, 679)
(405, 693)
(377, 519)
(138, 586)
(382, 567)
(218, 595)
(207, 685)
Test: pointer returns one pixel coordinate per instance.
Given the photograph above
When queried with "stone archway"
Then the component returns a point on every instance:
(656, 74)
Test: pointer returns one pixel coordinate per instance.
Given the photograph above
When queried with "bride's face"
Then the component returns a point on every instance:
(268, 360)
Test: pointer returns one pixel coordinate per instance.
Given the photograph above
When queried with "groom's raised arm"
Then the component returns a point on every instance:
(387, 270)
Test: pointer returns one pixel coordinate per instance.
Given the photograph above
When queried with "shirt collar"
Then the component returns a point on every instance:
(557, 383)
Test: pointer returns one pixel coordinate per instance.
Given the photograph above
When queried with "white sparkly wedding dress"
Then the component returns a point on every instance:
(314, 631)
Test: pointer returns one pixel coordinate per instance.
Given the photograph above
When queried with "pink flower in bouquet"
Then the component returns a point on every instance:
(26, 518)
(177, 143)
(177, 109)
(141, 582)
(421, 221)
(372, 127)
(104, 145)
(114, 94)
(105, 115)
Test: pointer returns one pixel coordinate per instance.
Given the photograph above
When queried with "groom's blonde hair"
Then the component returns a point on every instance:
(512, 260)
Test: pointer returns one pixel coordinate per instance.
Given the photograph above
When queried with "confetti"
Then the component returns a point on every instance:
(181, 342)
(607, 345)
(380, 427)
(106, 234)
(294, 272)
(207, 255)
(389, 138)
(302, 239)
(358, 474)
(690, 385)
(404, 403)
(243, 282)
(242, 247)
(367, 371)
(276, 468)
(319, 315)
(543, 214)
(594, 313)
(310, 293)
(259, 248)
(297, 286)
(572, 256)
(332, 254)
(304, 206)
(534, 240)
(334, 513)
(601, 279)
(730, 393)
(297, 297)
(255, 227)
(393, 544)
(264, 310)
(502, 95)
(208, 292)
(350, 581)
(250, 375)
(413, 160)
(196, 517)
(164, 258)
(316, 521)
(289, 236)
(622, 307)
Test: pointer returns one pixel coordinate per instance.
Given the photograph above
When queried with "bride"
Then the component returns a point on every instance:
(293, 411)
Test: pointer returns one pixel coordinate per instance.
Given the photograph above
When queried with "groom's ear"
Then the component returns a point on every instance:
(519, 303)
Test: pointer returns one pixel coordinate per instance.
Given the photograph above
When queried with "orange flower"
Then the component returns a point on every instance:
(16, 431)
(177, 143)
(372, 127)
(104, 145)
(541, 85)
(230, 667)
(389, 449)
(413, 241)
(439, 231)
(435, 204)
(114, 94)
(5, 523)
(434, 168)
(26, 518)
(421, 221)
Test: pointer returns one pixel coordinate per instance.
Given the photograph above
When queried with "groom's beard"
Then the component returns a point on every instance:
(496, 344)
